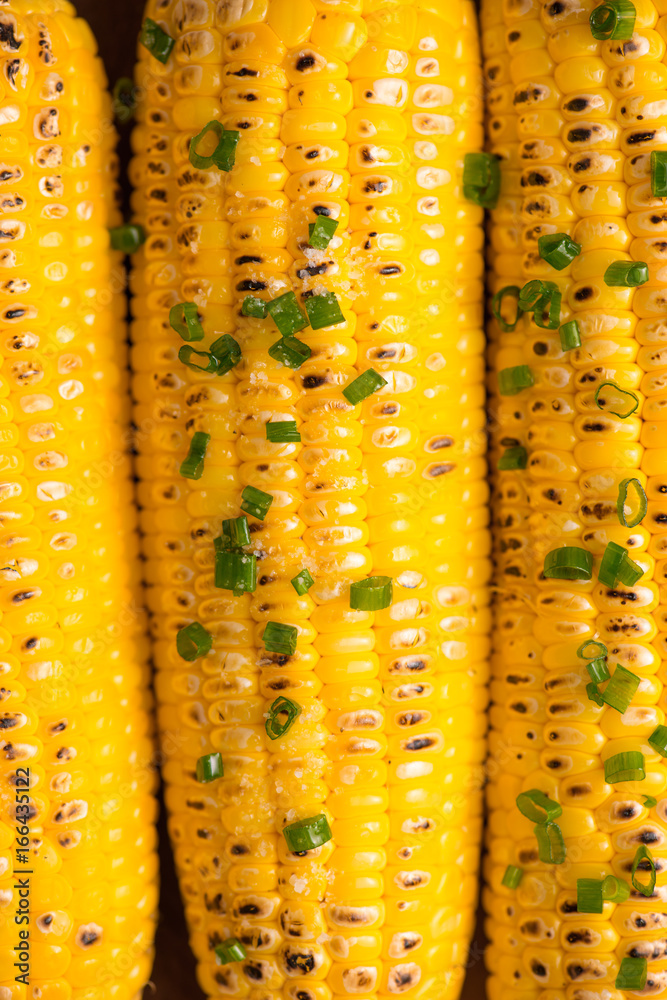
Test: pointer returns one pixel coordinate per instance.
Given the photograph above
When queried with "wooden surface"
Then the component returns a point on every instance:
(116, 25)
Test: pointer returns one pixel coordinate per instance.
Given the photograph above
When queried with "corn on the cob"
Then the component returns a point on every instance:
(574, 119)
(359, 113)
(77, 891)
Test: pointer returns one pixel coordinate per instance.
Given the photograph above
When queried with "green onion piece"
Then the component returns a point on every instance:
(509, 291)
(512, 877)
(157, 41)
(614, 19)
(540, 297)
(633, 972)
(321, 231)
(650, 802)
(616, 890)
(192, 467)
(589, 895)
(290, 352)
(538, 807)
(282, 431)
(324, 310)
(286, 314)
(550, 844)
(481, 179)
(209, 768)
(641, 504)
(184, 319)
(223, 156)
(513, 380)
(659, 173)
(230, 950)
(207, 364)
(598, 649)
(256, 502)
(302, 582)
(372, 594)
(127, 238)
(124, 99)
(616, 400)
(644, 855)
(275, 727)
(235, 571)
(570, 335)
(235, 531)
(626, 274)
(621, 689)
(568, 563)
(627, 766)
(279, 638)
(658, 740)
(531, 293)
(617, 566)
(598, 670)
(252, 306)
(363, 386)
(513, 458)
(193, 641)
(558, 249)
(227, 352)
(593, 694)
(306, 834)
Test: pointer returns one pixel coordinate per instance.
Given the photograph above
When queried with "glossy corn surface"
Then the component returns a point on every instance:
(360, 113)
(574, 120)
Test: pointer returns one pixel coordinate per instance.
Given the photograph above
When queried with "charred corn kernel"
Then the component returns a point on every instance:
(573, 121)
(78, 867)
(359, 113)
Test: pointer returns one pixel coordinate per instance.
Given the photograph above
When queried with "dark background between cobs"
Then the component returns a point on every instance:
(116, 24)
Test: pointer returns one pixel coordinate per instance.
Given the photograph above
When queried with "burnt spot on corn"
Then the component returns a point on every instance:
(577, 104)
(580, 134)
(635, 138)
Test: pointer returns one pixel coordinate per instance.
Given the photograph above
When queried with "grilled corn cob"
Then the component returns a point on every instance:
(355, 118)
(77, 858)
(577, 667)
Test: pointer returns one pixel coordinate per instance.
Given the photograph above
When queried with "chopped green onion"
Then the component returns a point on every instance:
(302, 582)
(538, 807)
(227, 352)
(192, 467)
(256, 502)
(363, 386)
(598, 670)
(589, 895)
(633, 972)
(513, 458)
(223, 156)
(593, 694)
(659, 173)
(279, 638)
(286, 314)
(124, 99)
(568, 563)
(570, 335)
(372, 594)
(641, 503)
(615, 890)
(209, 768)
(617, 567)
(281, 706)
(621, 406)
(282, 431)
(644, 855)
(324, 310)
(538, 297)
(157, 41)
(235, 571)
(184, 319)
(321, 231)
(658, 740)
(509, 291)
(306, 834)
(481, 179)
(512, 877)
(627, 766)
(208, 363)
(558, 249)
(530, 294)
(599, 649)
(235, 531)
(290, 352)
(127, 238)
(621, 689)
(614, 19)
(230, 950)
(252, 306)
(650, 802)
(513, 380)
(550, 844)
(626, 274)
(193, 641)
